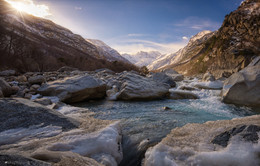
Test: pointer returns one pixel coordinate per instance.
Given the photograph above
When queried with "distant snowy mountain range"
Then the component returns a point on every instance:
(143, 58)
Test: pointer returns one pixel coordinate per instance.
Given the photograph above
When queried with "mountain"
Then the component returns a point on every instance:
(193, 46)
(109, 53)
(142, 58)
(29, 43)
(227, 50)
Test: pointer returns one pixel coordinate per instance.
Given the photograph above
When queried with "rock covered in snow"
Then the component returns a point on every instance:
(242, 88)
(200, 144)
(135, 87)
(75, 89)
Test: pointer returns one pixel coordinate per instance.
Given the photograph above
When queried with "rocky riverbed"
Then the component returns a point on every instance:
(38, 126)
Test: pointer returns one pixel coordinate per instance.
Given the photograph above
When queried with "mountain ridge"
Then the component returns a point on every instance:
(229, 49)
(30, 43)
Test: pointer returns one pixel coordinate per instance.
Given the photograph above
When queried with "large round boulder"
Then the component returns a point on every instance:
(39, 79)
(136, 87)
(163, 78)
(243, 88)
(75, 89)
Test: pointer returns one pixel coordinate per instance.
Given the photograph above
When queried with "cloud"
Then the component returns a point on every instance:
(137, 35)
(196, 23)
(77, 8)
(185, 38)
(132, 46)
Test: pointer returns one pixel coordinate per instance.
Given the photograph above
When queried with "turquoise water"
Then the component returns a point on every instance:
(141, 120)
(148, 119)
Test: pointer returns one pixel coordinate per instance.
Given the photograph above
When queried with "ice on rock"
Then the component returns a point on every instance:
(24, 134)
(192, 145)
(236, 154)
(104, 145)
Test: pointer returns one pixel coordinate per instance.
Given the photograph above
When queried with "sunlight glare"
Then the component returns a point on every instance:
(29, 7)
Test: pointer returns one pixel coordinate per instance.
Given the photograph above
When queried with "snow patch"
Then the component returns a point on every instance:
(237, 153)
(159, 155)
(104, 145)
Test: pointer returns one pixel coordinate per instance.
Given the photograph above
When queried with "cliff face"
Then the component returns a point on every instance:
(231, 48)
(29, 43)
(184, 55)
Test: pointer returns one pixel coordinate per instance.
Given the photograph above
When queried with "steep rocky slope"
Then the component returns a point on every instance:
(108, 52)
(29, 43)
(184, 54)
(143, 58)
(229, 49)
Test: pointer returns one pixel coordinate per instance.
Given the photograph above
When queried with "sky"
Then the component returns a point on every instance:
(130, 26)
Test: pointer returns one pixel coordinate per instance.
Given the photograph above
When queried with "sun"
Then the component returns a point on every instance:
(29, 7)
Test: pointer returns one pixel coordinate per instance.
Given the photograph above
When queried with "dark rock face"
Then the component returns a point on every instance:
(18, 112)
(248, 133)
(17, 160)
(46, 46)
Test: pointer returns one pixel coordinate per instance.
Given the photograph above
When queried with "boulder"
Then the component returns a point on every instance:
(221, 142)
(174, 74)
(39, 79)
(75, 89)
(177, 77)
(15, 89)
(183, 87)
(208, 77)
(112, 93)
(179, 94)
(43, 101)
(21, 78)
(213, 85)
(242, 88)
(163, 78)
(8, 73)
(18, 112)
(18, 160)
(136, 87)
(6, 88)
